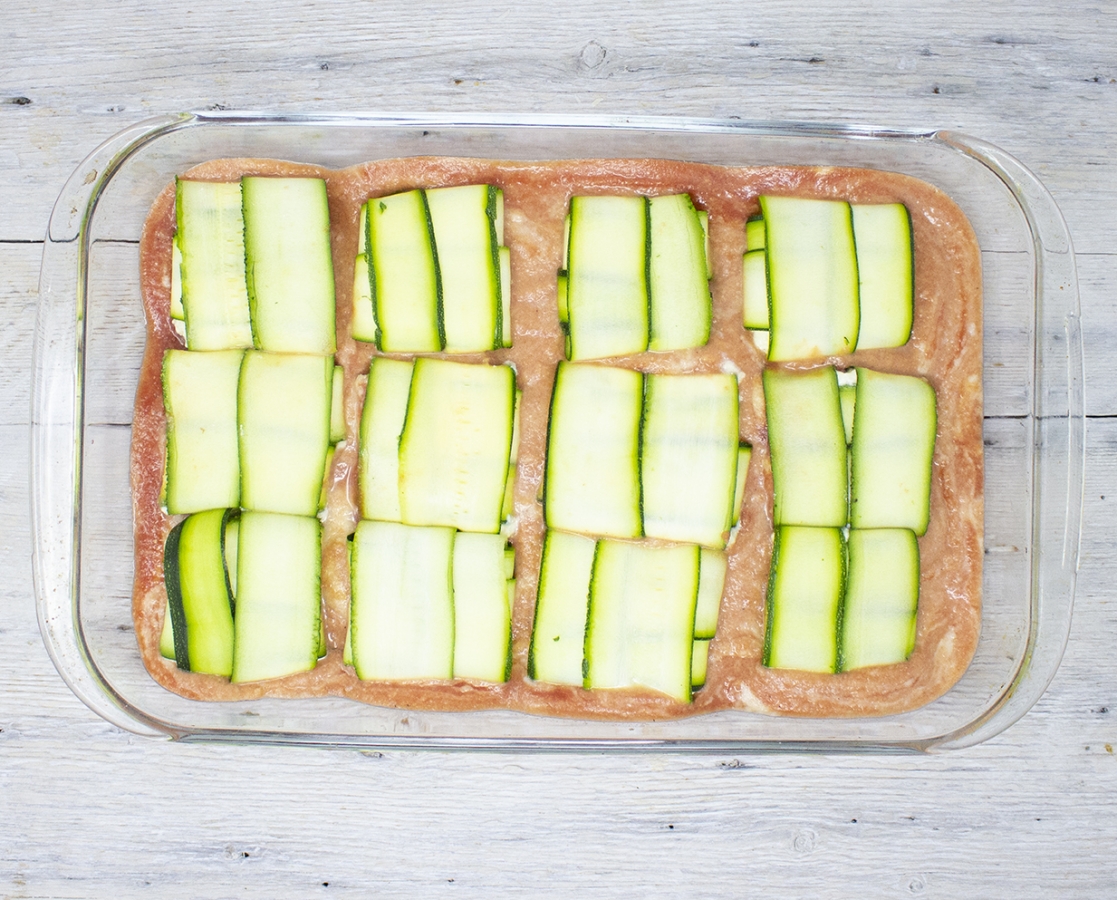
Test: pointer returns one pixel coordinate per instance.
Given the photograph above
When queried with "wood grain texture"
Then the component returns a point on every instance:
(89, 811)
(76, 74)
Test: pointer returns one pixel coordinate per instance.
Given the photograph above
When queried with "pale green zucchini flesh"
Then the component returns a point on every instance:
(284, 423)
(804, 599)
(640, 626)
(755, 289)
(689, 457)
(808, 447)
(894, 427)
(277, 626)
(402, 614)
(385, 410)
(882, 592)
(464, 228)
(713, 565)
(886, 273)
(405, 286)
(607, 287)
(200, 398)
(699, 662)
(289, 264)
(592, 482)
(680, 308)
(482, 615)
(558, 636)
(754, 234)
(362, 324)
(210, 233)
(744, 458)
(455, 445)
(177, 312)
(812, 277)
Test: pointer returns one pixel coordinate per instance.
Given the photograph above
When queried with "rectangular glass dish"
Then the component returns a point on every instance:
(90, 338)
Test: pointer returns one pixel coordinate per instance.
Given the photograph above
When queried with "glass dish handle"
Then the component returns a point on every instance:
(56, 417)
(1059, 439)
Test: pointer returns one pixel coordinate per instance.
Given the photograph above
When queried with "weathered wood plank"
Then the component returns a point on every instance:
(19, 291)
(1043, 88)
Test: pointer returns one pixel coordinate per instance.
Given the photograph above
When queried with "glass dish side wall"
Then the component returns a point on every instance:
(90, 340)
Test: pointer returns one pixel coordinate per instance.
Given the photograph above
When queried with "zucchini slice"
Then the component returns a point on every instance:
(713, 565)
(812, 277)
(680, 306)
(756, 289)
(640, 626)
(886, 271)
(210, 225)
(704, 221)
(406, 290)
(508, 504)
(754, 234)
(177, 312)
(592, 483)
(607, 288)
(463, 221)
(402, 615)
(562, 298)
(558, 637)
(362, 230)
(284, 423)
(893, 450)
(565, 244)
(289, 264)
(482, 615)
(699, 661)
(362, 324)
(689, 457)
(385, 409)
(808, 447)
(744, 458)
(804, 599)
(200, 398)
(456, 444)
(199, 594)
(879, 616)
(167, 635)
(279, 596)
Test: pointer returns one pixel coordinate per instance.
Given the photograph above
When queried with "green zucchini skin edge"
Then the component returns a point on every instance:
(371, 266)
(494, 249)
(911, 251)
(174, 595)
(839, 662)
(648, 314)
(230, 514)
(550, 435)
(439, 312)
(589, 619)
(767, 653)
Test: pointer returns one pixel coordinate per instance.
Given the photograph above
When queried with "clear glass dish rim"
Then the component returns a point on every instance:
(58, 427)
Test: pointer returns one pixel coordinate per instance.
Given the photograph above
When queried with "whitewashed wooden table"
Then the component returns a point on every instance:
(87, 810)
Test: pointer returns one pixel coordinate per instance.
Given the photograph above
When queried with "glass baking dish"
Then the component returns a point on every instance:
(89, 341)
